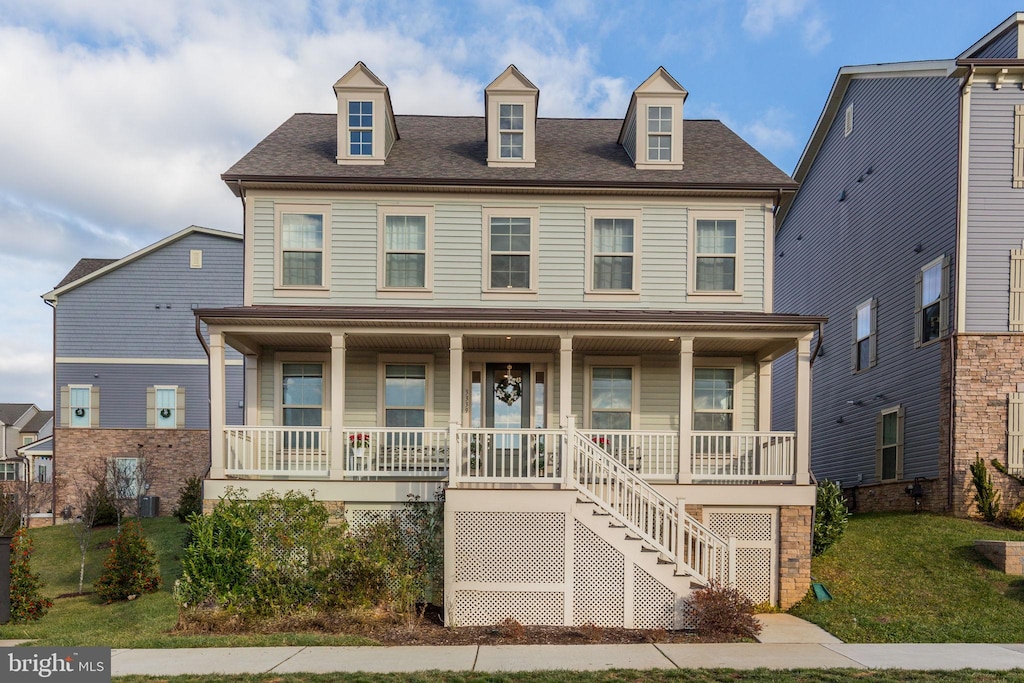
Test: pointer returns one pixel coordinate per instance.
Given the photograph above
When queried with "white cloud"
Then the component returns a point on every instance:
(771, 132)
(762, 17)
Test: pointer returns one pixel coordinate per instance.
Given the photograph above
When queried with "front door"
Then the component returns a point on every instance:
(507, 396)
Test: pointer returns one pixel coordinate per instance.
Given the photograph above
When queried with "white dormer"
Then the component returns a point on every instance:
(366, 123)
(510, 109)
(652, 132)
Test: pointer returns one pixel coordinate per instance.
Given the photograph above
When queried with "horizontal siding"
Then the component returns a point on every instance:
(123, 391)
(994, 208)
(832, 255)
(459, 251)
(144, 308)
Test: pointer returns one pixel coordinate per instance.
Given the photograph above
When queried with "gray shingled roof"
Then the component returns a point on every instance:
(11, 412)
(36, 423)
(83, 268)
(452, 150)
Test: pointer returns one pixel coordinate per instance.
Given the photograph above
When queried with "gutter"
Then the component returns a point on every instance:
(209, 379)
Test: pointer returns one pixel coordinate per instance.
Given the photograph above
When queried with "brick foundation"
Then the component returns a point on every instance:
(794, 554)
(989, 367)
(172, 456)
(893, 497)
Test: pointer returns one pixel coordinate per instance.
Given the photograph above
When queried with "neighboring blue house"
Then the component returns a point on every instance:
(907, 233)
(131, 374)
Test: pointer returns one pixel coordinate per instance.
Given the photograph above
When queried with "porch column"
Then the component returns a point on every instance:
(337, 415)
(803, 410)
(217, 397)
(252, 391)
(454, 404)
(685, 476)
(764, 395)
(564, 381)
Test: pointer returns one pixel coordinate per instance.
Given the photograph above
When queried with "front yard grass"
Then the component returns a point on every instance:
(146, 622)
(905, 578)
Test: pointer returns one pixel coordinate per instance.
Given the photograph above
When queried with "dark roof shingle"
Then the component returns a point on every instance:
(36, 423)
(83, 268)
(10, 412)
(452, 150)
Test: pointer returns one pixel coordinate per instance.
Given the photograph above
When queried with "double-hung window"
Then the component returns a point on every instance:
(612, 252)
(165, 407)
(864, 333)
(302, 248)
(302, 394)
(659, 133)
(932, 301)
(80, 405)
(715, 255)
(611, 397)
(125, 477)
(405, 395)
(509, 237)
(713, 399)
(405, 243)
(360, 128)
(8, 471)
(889, 444)
(44, 470)
(510, 131)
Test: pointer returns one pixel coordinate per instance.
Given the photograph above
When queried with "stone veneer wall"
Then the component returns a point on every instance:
(794, 554)
(893, 497)
(172, 456)
(989, 367)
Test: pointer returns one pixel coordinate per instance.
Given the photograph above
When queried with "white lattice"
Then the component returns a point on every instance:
(752, 566)
(654, 604)
(360, 518)
(482, 608)
(745, 525)
(598, 579)
(510, 547)
(757, 544)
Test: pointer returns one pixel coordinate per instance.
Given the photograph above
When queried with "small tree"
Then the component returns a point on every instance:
(986, 495)
(27, 604)
(85, 522)
(830, 516)
(130, 569)
(190, 498)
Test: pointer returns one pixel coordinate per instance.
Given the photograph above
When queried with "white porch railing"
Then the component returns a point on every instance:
(743, 456)
(501, 455)
(389, 452)
(294, 451)
(662, 524)
(652, 455)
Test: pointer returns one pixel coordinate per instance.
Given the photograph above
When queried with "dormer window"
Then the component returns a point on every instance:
(510, 128)
(360, 128)
(659, 133)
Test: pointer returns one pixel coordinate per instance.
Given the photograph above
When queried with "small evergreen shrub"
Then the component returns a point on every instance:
(986, 496)
(130, 569)
(190, 499)
(830, 516)
(101, 507)
(720, 612)
(26, 602)
(1015, 517)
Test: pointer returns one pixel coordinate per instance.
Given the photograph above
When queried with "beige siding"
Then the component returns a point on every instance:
(659, 393)
(562, 248)
(354, 252)
(263, 251)
(361, 389)
(266, 392)
(663, 267)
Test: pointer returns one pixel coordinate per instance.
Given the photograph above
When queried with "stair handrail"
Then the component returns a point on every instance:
(648, 514)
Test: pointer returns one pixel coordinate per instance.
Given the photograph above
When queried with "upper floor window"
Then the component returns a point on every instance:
(713, 399)
(80, 405)
(510, 248)
(932, 301)
(715, 255)
(8, 471)
(864, 333)
(405, 395)
(510, 131)
(360, 128)
(612, 254)
(166, 406)
(302, 249)
(405, 252)
(26, 439)
(659, 133)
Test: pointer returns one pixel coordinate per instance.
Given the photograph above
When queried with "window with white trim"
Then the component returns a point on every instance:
(932, 301)
(510, 131)
(44, 470)
(659, 133)
(8, 471)
(302, 394)
(865, 336)
(80, 405)
(166, 407)
(713, 399)
(611, 397)
(715, 263)
(510, 247)
(889, 444)
(613, 261)
(405, 394)
(125, 477)
(405, 251)
(360, 128)
(302, 249)
(26, 439)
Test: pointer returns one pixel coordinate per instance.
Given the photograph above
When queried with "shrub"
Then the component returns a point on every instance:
(26, 602)
(101, 507)
(721, 612)
(1015, 517)
(830, 516)
(190, 499)
(130, 569)
(986, 496)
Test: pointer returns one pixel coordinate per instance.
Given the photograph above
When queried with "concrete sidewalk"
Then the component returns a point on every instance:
(785, 643)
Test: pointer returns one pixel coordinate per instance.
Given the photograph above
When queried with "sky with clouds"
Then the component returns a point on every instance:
(118, 116)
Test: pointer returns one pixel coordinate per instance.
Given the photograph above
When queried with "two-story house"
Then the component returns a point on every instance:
(130, 370)
(26, 464)
(906, 232)
(568, 323)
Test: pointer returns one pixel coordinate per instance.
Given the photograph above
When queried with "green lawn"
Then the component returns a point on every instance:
(144, 622)
(899, 578)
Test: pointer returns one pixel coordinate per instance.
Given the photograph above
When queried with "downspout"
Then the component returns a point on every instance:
(56, 415)
(209, 378)
(817, 347)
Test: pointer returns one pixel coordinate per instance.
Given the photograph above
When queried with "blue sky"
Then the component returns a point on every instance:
(118, 116)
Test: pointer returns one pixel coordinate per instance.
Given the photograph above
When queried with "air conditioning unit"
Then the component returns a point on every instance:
(150, 506)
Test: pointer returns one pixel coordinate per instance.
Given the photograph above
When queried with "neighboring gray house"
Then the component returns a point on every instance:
(20, 424)
(25, 455)
(907, 233)
(131, 375)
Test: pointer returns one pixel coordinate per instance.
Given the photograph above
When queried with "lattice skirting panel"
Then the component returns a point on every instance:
(757, 548)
